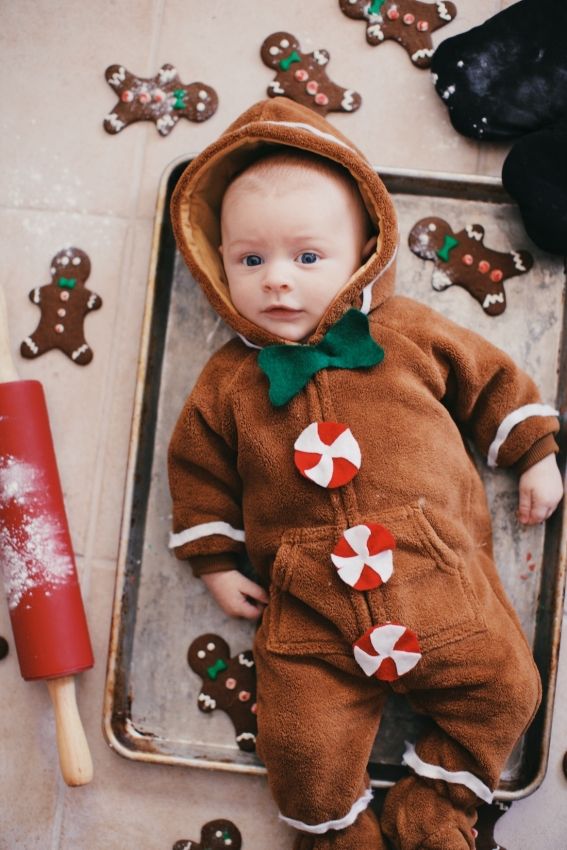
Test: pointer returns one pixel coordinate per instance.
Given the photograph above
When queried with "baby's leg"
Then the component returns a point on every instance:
(316, 727)
(481, 694)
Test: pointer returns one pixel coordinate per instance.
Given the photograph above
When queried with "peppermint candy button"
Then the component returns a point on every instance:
(327, 453)
(363, 556)
(387, 652)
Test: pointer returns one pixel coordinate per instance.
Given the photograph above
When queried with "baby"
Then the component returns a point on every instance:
(328, 440)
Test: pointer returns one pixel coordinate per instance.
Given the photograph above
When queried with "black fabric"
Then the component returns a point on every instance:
(535, 174)
(507, 77)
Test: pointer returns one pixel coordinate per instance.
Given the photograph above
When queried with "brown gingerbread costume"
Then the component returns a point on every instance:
(360, 507)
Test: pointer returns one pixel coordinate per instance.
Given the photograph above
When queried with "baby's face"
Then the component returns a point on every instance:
(288, 247)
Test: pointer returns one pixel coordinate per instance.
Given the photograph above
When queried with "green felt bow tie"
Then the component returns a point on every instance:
(346, 345)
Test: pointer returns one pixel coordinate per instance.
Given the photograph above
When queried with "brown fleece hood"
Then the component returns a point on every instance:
(196, 203)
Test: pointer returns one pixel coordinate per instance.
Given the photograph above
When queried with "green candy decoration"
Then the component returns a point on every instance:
(293, 57)
(449, 243)
(67, 282)
(218, 667)
(376, 7)
(180, 96)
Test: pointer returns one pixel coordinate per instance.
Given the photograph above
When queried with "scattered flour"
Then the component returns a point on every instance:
(33, 542)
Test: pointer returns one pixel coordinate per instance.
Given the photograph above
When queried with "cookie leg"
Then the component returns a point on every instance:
(81, 354)
(316, 728)
(30, 348)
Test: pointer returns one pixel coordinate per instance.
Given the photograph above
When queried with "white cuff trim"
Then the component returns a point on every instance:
(509, 422)
(205, 530)
(457, 777)
(319, 828)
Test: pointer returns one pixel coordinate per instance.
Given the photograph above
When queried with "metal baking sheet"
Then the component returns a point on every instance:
(150, 710)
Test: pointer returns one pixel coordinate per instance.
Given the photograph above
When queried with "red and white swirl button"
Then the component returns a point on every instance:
(327, 453)
(387, 652)
(364, 557)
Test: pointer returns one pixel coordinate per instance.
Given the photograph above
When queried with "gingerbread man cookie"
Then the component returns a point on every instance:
(228, 684)
(218, 834)
(302, 76)
(409, 22)
(462, 259)
(64, 303)
(163, 99)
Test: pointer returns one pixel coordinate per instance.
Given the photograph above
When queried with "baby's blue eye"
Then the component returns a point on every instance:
(252, 260)
(308, 257)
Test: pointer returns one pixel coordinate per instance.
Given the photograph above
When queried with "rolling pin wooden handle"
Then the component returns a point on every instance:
(74, 754)
(7, 368)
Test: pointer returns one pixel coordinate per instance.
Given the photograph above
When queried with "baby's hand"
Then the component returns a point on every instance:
(541, 490)
(236, 594)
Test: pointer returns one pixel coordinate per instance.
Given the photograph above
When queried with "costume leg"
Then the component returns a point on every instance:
(316, 728)
(481, 694)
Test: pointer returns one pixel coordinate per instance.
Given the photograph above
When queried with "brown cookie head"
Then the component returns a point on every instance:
(429, 236)
(278, 48)
(208, 656)
(218, 834)
(70, 268)
(356, 9)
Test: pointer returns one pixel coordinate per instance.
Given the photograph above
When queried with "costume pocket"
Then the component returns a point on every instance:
(310, 610)
(429, 590)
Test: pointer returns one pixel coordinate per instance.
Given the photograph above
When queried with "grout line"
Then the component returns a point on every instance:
(57, 827)
(6, 208)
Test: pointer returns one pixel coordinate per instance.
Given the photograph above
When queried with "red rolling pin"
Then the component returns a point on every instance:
(36, 555)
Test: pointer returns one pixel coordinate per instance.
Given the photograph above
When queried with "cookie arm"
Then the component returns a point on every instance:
(206, 702)
(94, 301)
(204, 482)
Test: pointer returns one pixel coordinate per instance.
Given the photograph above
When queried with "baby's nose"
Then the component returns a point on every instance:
(277, 278)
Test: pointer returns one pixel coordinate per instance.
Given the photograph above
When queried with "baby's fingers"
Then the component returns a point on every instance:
(532, 509)
(525, 505)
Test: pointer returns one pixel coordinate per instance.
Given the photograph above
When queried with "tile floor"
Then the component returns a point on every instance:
(65, 181)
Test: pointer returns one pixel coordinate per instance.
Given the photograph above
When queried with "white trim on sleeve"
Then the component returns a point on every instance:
(510, 421)
(188, 535)
(319, 828)
(457, 777)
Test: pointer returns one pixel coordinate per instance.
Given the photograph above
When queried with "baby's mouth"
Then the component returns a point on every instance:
(280, 311)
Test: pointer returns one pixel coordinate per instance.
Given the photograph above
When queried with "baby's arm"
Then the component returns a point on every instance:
(541, 490)
(236, 594)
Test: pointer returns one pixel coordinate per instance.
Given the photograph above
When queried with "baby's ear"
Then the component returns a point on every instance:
(220, 250)
(369, 248)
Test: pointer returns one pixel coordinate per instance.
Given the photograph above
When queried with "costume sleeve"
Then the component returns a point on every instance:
(204, 482)
(494, 402)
